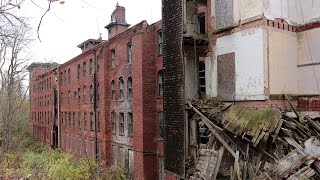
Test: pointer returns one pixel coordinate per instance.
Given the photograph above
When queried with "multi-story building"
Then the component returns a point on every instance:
(106, 103)
(244, 51)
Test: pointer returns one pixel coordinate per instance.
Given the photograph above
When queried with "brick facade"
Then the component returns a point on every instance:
(99, 84)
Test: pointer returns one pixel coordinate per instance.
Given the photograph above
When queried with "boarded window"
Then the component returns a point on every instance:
(160, 125)
(226, 76)
(130, 164)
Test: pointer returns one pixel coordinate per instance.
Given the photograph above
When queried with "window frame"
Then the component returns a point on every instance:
(129, 88)
(113, 58)
(129, 53)
(160, 83)
(113, 122)
(121, 123)
(121, 88)
(160, 42)
(130, 123)
(113, 90)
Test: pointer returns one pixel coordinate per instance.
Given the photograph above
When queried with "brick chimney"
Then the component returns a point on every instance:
(118, 22)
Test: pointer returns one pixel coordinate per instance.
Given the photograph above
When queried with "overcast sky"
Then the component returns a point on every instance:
(65, 26)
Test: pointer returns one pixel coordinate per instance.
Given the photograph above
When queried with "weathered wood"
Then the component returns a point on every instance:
(277, 130)
(293, 108)
(217, 167)
(288, 124)
(293, 143)
(304, 173)
(287, 132)
(208, 123)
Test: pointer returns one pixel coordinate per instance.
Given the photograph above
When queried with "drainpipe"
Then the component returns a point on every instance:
(95, 105)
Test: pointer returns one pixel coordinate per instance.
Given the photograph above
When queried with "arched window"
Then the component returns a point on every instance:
(69, 97)
(129, 88)
(91, 93)
(84, 94)
(129, 52)
(121, 86)
(113, 90)
(160, 83)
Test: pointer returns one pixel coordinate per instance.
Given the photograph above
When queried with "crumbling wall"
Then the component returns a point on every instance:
(191, 73)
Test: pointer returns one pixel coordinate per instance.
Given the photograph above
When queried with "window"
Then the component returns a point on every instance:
(91, 93)
(79, 69)
(61, 98)
(113, 90)
(69, 120)
(69, 76)
(113, 122)
(65, 77)
(121, 85)
(129, 52)
(91, 67)
(202, 77)
(130, 124)
(129, 84)
(91, 121)
(84, 94)
(75, 96)
(74, 119)
(98, 64)
(84, 120)
(66, 118)
(98, 93)
(160, 125)
(78, 95)
(121, 123)
(98, 121)
(201, 23)
(79, 120)
(69, 97)
(160, 43)
(84, 69)
(113, 58)
(160, 83)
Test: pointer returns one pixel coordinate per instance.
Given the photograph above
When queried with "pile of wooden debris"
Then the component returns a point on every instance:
(233, 142)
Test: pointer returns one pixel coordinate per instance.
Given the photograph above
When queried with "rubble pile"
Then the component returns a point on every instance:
(235, 142)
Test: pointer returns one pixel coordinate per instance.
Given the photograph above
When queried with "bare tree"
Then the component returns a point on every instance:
(13, 93)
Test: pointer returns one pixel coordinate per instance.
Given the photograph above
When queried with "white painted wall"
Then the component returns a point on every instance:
(309, 80)
(211, 75)
(308, 46)
(303, 11)
(282, 61)
(248, 46)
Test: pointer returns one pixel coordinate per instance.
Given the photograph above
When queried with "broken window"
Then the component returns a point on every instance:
(121, 85)
(129, 88)
(160, 83)
(84, 120)
(113, 122)
(201, 23)
(79, 120)
(121, 123)
(64, 77)
(113, 58)
(69, 97)
(98, 93)
(160, 43)
(130, 124)
(98, 121)
(79, 95)
(113, 90)
(69, 76)
(84, 69)
(98, 64)
(91, 121)
(91, 67)
(91, 93)
(129, 52)
(202, 77)
(84, 94)
(79, 68)
(74, 119)
(160, 125)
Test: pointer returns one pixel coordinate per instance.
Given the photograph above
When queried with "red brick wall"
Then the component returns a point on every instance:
(309, 103)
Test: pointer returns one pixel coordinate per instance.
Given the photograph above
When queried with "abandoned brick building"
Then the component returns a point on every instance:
(246, 52)
(106, 103)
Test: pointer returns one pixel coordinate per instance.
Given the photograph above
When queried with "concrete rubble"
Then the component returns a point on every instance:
(235, 142)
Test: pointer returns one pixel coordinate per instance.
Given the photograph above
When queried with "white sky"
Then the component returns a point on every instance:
(65, 26)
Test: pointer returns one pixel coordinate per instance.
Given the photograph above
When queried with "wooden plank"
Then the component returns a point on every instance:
(293, 108)
(277, 130)
(287, 132)
(304, 173)
(216, 169)
(293, 143)
(208, 123)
